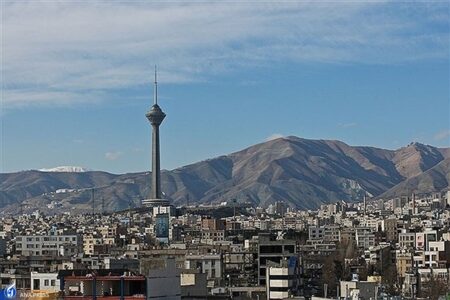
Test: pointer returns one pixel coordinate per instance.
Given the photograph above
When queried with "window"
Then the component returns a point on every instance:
(53, 282)
(270, 249)
(36, 284)
(289, 248)
(46, 282)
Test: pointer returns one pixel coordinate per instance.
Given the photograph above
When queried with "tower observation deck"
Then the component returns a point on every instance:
(156, 116)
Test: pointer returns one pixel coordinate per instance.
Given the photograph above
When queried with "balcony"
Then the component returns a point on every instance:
(104, 287)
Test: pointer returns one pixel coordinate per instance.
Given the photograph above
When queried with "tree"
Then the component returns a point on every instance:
(436, 287)
(330, 275)
(390, 280)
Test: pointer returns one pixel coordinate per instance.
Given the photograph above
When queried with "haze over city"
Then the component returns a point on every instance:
(77, 78)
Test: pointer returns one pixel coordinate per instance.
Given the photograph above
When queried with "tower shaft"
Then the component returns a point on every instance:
(156, 171)
(155, 117)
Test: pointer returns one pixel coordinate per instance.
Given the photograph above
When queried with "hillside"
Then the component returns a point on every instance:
(303, 173)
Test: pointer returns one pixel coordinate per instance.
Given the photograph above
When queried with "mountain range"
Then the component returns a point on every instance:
(301, 172)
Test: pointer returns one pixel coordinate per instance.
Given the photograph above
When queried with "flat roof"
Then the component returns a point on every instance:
(85, 278)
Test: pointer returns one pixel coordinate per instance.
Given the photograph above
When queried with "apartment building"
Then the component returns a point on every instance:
(36, 245)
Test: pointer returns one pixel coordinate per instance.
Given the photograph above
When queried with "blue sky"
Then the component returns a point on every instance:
(77, 78)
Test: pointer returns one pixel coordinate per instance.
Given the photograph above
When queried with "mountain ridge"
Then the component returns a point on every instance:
(304, 173)
(68, 169)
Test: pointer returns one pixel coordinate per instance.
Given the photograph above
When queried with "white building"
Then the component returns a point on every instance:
(407, 240)
(211, 264)
(362, 290)
(45, 282)
(281, 279)
(316, 233)
(29, 245)
(365, 238)
(327, 233)
(423, 238)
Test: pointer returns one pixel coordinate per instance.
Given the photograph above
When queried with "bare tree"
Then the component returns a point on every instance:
(390, 280)
(330, 273)
(435, 287)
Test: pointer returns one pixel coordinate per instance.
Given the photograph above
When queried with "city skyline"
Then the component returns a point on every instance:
(224, 150)
(371, 74)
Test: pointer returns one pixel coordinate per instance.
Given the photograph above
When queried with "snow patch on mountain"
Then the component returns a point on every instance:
(72, 169)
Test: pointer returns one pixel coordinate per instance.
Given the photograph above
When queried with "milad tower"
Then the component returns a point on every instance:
(156, 116)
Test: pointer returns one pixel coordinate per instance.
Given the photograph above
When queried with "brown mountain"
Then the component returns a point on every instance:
(416, 158)
(303, 173)
(434, 179)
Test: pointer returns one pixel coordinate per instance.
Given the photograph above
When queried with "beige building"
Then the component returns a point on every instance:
(88, 244)
(403, 263)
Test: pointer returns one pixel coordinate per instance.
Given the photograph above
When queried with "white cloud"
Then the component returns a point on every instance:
(347, 125)
(115, 155)
(274, 136)
(442, 135)
(60, 52)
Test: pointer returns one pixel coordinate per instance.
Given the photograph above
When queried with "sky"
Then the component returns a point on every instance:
(77, 78)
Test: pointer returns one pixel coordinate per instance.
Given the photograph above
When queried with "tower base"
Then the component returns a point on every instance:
(155, 202)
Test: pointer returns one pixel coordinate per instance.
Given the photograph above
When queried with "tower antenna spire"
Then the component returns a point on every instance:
(156, 116)
(155, 96)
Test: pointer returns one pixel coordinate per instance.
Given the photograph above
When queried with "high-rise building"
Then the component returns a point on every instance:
(282, 278)
(275, 250)
(156, 117)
